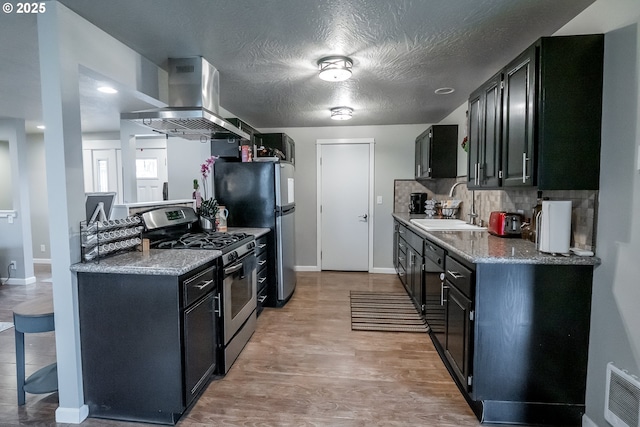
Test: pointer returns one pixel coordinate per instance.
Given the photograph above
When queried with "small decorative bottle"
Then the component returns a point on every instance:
(196, 193)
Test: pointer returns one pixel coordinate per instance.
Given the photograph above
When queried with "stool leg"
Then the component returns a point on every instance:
(20, 366)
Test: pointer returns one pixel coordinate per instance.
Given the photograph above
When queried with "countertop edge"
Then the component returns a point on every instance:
(545, 259)
(158, 262)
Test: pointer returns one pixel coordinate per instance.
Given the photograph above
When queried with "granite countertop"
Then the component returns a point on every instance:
(257, 232)
(481, 247)
(158, 262)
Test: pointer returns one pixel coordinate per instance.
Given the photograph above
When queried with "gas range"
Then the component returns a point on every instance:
(176, 228)
(232, 245)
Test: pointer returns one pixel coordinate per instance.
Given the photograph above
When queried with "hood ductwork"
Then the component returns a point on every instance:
(194, 93)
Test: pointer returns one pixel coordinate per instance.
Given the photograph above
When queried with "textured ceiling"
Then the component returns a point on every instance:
(266, 52)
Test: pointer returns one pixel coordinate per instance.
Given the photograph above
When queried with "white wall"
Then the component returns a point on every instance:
(6, 194)
(39, 197)
(184, 158)
(394, 152)
(614, 335)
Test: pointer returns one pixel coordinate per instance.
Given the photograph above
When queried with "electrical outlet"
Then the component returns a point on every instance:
(13, 265)
(43, 248)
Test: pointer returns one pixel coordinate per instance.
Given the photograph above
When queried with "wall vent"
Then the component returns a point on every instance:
(622, 398)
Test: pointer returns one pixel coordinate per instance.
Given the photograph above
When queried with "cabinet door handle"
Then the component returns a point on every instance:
(455, 274)
(442, 288)
(262, 299)
(262, 245)
(525, 159)
(263, 262)
(477, 173)
(262, 279)
(218, 310)
(204, 284)
(419, 170)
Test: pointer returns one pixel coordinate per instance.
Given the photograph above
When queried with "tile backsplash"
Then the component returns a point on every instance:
(583, 221)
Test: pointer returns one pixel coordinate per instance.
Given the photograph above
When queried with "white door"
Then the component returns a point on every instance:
(344, 211)
(105, 170)
(151, 173)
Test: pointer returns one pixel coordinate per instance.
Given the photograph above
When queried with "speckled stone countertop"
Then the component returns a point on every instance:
(481, 247)
(257, 232)
(158, 262)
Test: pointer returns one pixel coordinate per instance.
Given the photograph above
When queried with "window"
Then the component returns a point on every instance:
(147, 168)
(103, 175)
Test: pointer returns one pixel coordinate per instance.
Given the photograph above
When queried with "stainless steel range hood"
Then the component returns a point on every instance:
(194, 88)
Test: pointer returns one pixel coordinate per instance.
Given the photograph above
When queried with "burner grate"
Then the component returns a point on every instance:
(205, 240)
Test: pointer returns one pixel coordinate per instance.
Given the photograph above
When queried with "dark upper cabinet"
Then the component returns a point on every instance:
(539, 118)
(484, 162)
(436, 152)
(518, 157)
(228, 146)
(279, 143)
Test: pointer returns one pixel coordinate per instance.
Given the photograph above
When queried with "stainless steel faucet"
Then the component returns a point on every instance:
(453, 187)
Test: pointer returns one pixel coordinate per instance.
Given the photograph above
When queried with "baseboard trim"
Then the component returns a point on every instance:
(42, 261)
(381, 270)
(20, 282)
(72, 415)
(587, 422)
(306, 268)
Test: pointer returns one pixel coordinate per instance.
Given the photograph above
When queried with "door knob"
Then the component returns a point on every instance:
(364, 217)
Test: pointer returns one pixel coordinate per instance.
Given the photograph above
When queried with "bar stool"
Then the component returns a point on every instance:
(34, 316)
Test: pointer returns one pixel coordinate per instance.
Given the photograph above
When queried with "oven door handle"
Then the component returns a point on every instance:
(233, 269)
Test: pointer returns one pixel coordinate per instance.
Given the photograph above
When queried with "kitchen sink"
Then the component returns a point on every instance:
(434, 224)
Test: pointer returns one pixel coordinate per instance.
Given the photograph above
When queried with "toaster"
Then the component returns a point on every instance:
(505, 224)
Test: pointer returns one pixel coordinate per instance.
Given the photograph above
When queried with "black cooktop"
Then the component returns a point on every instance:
(204, 240)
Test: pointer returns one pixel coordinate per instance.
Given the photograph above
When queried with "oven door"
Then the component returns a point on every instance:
(239, 294)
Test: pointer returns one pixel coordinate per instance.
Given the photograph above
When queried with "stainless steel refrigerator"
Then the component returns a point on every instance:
(260, 194)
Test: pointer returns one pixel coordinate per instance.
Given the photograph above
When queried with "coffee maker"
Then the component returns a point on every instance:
(416, 205)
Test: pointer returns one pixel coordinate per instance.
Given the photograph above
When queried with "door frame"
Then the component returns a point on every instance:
(319, 144)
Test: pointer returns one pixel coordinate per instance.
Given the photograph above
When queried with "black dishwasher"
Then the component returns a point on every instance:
(433, 274)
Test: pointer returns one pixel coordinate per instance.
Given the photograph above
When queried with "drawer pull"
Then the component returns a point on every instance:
(262, 279)
(204, 284)
(455, 274)
(263, 262)
(262, 299)
(262, 245)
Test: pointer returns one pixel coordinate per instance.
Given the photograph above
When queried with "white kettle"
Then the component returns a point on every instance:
(553, 225)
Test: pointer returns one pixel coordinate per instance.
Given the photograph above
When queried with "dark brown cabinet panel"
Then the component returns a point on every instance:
(517, 121)
(484, 161)
(436, 152)
(539, 119)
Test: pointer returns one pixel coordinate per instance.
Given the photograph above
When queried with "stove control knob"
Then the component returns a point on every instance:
(233, 256)
(251, 245)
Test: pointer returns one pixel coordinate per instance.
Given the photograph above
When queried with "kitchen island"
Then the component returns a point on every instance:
(511, 324)
(148, 332)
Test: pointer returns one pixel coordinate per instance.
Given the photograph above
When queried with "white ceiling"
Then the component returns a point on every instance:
(266, 52)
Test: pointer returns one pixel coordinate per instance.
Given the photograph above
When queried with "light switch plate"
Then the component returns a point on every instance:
(379, 200)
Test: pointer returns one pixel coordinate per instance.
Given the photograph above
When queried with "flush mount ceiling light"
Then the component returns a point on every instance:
(335, 68)
(41, 127)
(341, 113)
(444, 90)
(107, 89)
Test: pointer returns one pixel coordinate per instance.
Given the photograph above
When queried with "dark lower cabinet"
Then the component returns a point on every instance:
(516, 340)
(148, 342)
(459, 313)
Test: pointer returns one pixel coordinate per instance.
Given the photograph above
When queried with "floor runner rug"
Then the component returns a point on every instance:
(385, 311)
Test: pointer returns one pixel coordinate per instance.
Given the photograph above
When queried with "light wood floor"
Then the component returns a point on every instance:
(303, 367)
